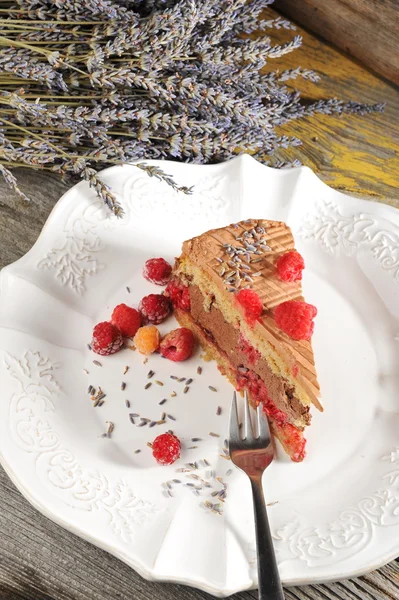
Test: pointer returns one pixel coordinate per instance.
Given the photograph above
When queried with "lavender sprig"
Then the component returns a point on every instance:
(89, 84)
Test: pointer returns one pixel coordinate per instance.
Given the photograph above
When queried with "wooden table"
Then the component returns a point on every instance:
(41, 561)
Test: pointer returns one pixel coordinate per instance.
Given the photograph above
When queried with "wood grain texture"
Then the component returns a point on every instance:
(367, 29)
(41, 561)
(357, 155)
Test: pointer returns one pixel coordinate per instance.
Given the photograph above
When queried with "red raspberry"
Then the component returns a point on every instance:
(166, 448)
(246, 348)
(290, 266)
(178, 294)
(107, 338)
(178, 344)
(154, 308)
(157, 270)
(127, 319)
(292, 440)
(251, 304)
(295, 318)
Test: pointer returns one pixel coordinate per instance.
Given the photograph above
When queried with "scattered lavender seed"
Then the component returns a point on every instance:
(150, 374)
(85, 371)
(206, 463)
(186, 389)
(137, 451)
(163, 401)
(189, 381)
(127, 403)
(149, 444)
(97, 363)
(128, 289)
(196, 439)
(171, 417)
(158, 382)
(229, 472)
(152, 424)
(126, 369)
(213, 389)
(89, 346)
(123, 385)
(192, 447)
(213, 434)
(181, 379)
(147, 385)
(174, 377)
(219, 410)
(110, 429)
(173, 395)
(199, 370)
(131, 417)
(163, 416)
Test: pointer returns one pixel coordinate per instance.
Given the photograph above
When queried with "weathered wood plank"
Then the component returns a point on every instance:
(367, 29)
(358, 155)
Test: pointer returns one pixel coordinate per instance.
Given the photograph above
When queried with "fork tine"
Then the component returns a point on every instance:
(248, 432)
(234, 434)
(263, 425)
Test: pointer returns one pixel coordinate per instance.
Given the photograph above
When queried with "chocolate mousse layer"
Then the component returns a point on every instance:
(228, 338)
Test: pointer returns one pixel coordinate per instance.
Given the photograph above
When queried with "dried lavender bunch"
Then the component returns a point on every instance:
(100, 82)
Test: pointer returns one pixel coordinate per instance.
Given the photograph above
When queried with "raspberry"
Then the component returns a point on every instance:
(292, 439)
(147, 339)
(290, 266)
(154, 308)
(157, 270)
(295, 318)
(166, 449)
(178, 344)
(107, 338)
(251, 304)
(127, 319)
(246, 348)
(179, 294)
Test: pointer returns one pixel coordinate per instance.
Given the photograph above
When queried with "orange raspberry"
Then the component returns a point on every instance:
(147, 339)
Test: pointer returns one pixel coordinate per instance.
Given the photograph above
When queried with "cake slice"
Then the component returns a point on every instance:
(238, 289)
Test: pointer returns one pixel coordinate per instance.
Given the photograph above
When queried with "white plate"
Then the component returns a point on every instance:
(335, 515)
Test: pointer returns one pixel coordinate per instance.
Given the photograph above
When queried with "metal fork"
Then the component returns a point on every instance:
(253, 455)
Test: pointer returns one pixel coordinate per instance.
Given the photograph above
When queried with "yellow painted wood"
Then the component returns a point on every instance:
(357, 155)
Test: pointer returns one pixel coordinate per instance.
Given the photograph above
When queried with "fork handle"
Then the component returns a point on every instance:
(269, 584)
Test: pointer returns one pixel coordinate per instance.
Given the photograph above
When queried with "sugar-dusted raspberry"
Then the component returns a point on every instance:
(290, 266)
(157, 270)
(251, 304)
(178, 344)
(127, 319)
(147, 339)
(179, 294)
(154, 308)
(107, 339)
(295, 318)
(166, 449)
